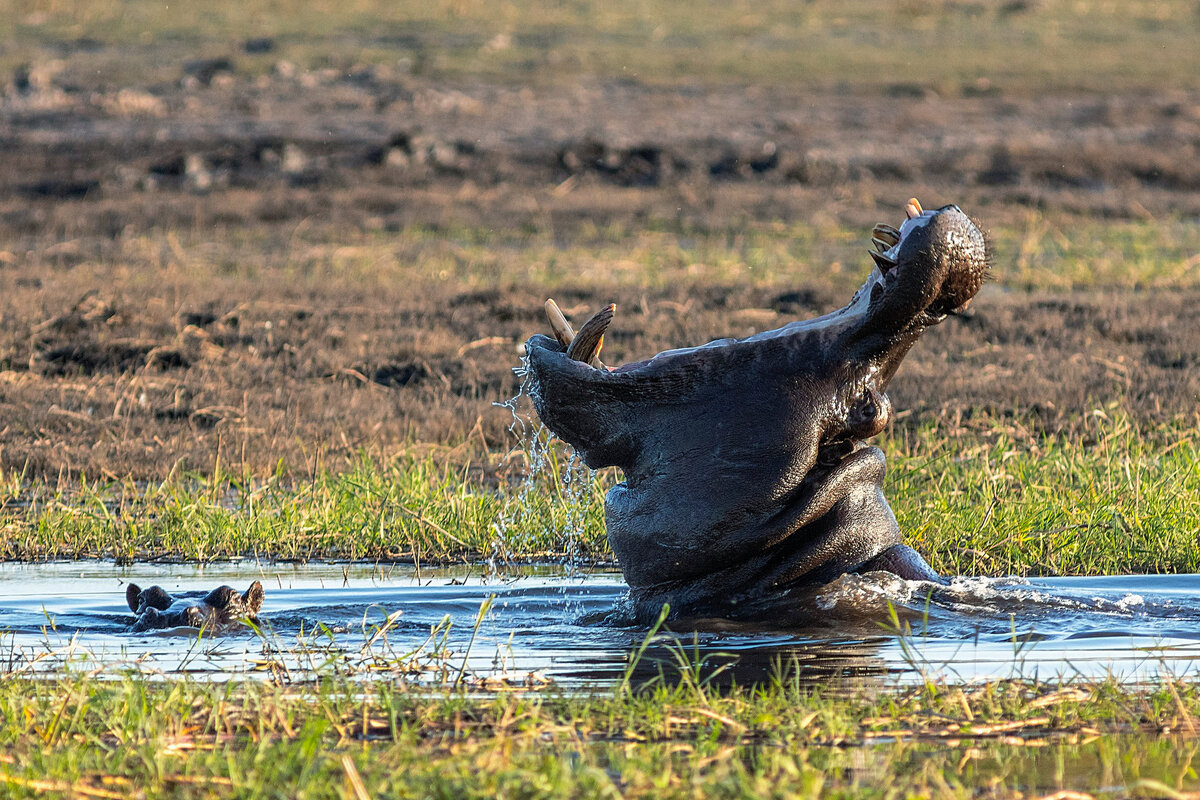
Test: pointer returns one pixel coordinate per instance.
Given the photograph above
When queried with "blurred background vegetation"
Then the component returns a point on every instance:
(951, 46)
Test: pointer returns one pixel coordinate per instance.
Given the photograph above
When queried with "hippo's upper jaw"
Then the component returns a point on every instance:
(745, 465)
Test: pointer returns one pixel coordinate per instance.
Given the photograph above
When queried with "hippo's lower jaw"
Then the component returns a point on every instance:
(840, 522)
(746, 471)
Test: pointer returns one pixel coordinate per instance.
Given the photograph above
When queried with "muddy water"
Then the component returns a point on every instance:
(72, 615)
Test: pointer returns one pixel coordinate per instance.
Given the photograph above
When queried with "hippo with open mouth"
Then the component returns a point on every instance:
(214, 612)
(746, 470)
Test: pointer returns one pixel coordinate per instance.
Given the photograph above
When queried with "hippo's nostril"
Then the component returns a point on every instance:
(869, 416)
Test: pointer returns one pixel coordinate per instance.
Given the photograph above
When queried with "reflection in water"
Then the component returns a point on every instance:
(570, 629)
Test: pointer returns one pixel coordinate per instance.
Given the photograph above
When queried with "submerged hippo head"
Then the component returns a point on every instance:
(221, 608)
(746, 471)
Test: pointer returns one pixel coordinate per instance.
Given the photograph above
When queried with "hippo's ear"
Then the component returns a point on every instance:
(156, 597)
(253, 599)
(131, 596)
(219, 597)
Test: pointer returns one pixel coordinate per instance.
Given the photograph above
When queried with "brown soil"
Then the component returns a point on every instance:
(115, 362)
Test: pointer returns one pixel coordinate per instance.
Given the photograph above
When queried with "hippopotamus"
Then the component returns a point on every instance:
(747, 471)
(219, 610)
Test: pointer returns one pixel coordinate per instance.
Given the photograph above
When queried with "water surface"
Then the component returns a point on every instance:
(569, 629)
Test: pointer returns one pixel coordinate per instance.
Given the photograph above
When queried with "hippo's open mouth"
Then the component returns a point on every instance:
(746, 468)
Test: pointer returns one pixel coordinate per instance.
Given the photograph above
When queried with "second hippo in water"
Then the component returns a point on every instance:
(216, 611)
(747, 472)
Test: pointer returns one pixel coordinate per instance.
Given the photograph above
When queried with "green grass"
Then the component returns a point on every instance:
(974, 502)
(80, 736)
(946, 45)
(1127, 501)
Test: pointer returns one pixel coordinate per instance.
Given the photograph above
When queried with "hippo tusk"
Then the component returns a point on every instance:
(584, 345)
(558, 323)
(589, 340)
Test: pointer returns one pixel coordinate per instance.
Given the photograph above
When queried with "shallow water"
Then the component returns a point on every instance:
(317, 616)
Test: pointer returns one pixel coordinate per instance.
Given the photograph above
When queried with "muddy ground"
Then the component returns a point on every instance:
(122, 354)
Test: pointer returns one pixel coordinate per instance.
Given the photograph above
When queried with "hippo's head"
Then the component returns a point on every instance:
(219, 609)
(746, 470)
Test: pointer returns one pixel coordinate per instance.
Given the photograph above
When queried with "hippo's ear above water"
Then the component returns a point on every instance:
(219, 597)
(131, 596)
(253, 599)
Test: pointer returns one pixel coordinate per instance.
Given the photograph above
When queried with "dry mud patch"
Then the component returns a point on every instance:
(121, 383)
(129, 350)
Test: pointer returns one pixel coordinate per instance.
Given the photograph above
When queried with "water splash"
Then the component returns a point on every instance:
(552, 471)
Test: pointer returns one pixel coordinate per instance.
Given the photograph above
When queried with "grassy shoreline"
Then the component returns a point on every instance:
(975, 501)
(79, 736)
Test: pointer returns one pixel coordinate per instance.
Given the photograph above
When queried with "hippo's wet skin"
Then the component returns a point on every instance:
(218, 610)
(746, 470)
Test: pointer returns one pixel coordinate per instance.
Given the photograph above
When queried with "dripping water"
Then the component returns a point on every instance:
(553, 470)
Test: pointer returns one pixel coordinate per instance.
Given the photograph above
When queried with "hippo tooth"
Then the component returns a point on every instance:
(885, 233)
(912, 209)
(558, 323)
(589, 340)
(882, 261)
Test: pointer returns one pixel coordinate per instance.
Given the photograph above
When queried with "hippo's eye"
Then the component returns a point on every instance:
(868, 409)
